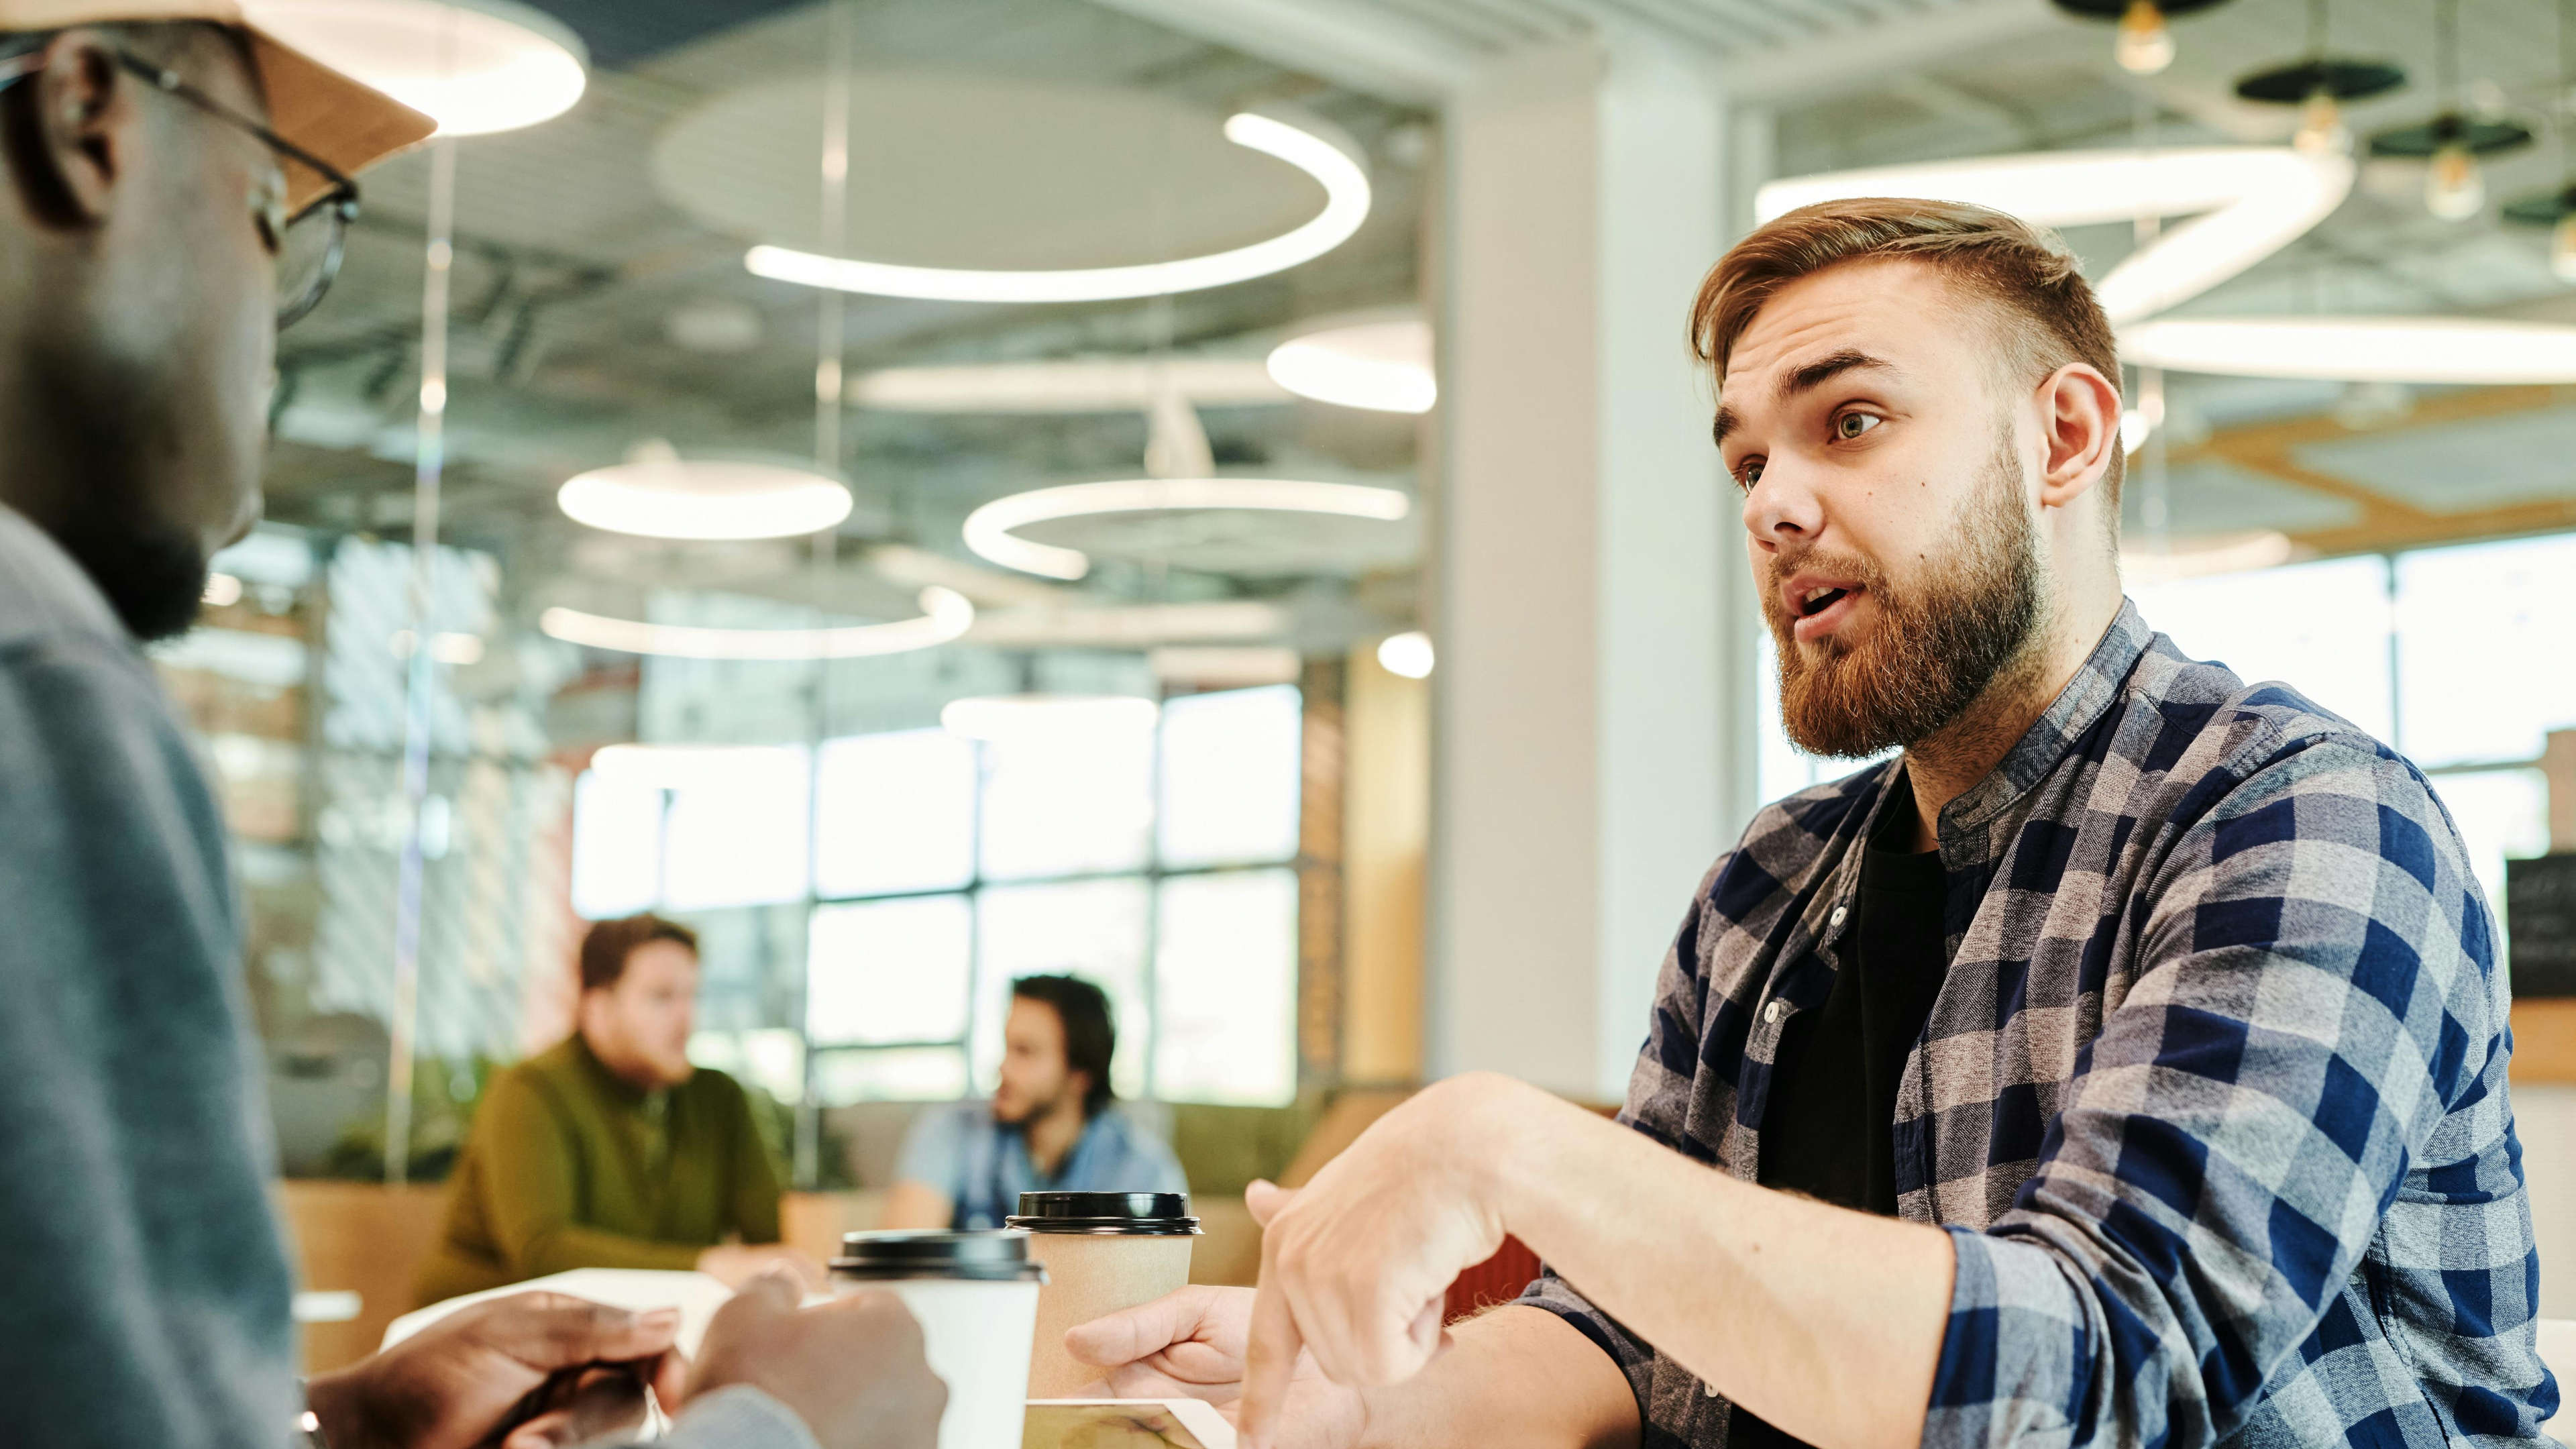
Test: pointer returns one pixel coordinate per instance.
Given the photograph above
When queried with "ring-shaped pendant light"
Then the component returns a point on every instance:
(2467, 350)
(989, 528)
(474, 66)
(945, 616)
(2246, 202)
(1346, 205)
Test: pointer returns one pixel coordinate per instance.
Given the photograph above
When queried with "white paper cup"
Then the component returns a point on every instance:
(976, 1297)
(1103, 1251)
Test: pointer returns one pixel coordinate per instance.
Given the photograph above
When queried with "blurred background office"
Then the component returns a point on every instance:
(1209, 498)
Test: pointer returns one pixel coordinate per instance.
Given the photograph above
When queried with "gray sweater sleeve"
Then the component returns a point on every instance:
(146, 1282)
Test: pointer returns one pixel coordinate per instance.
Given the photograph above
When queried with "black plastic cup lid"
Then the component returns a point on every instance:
(990, 1257)
(1107, 1214)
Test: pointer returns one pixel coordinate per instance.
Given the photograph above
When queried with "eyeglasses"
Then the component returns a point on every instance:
(307, 243)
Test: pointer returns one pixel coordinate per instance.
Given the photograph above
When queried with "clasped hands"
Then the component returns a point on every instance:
(1355, 1272)
(544, 1369)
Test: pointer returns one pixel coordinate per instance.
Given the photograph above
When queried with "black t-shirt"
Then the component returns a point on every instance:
(1828, 1130)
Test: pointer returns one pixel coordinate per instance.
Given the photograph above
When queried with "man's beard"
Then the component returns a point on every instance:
(1932, 651)
(153, 574)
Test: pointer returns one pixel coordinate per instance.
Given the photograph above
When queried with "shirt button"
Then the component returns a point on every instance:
(1839, 913)
(1771, 1012)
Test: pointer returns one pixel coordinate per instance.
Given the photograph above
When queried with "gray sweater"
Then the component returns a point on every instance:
(144, 1283)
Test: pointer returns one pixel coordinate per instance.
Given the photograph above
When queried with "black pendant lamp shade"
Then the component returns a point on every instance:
(2542, 208)
(2114, 9)
(2478, 138)
(2345, 80)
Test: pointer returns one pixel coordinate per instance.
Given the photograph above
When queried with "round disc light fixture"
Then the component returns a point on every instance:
(656, 493)
(989, 528)
(945, 615)
(1383, 366)
(2246, 202)
(1407, 654)
(2358, 349)
(1335, 168)
(474, 66)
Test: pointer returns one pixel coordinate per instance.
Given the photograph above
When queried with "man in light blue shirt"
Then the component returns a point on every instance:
(1053, 1124)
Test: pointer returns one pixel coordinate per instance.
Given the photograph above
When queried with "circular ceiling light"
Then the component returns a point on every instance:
(945, 615)
(1337, 170)
(656, 493)
(474, 66)
(2358, 349)
(1068, 385)
(2246, 202)
(1048, 718)
(1407, 654)
(1383, 366)
(989, 528)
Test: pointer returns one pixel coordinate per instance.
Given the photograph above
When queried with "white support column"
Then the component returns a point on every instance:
(1586, 745)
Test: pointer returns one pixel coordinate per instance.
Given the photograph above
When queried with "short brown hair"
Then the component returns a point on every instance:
(605, 949)
(2045, 311)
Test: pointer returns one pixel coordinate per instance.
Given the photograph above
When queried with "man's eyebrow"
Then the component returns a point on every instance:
(1831, 365)
(1815, 374)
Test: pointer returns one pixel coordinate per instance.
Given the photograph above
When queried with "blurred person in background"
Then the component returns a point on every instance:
(1053, 1124)
(173, 189)
(611, 1149)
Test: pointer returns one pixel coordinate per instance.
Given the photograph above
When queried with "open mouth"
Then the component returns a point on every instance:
(1819, 600)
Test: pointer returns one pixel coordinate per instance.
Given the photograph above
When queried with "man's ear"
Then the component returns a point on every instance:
(2079, 415)
(72, 131)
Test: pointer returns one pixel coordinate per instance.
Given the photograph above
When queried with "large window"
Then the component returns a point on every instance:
(1152, 853)
(2452, 655)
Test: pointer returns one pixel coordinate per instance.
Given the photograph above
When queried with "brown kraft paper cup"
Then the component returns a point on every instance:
(1099, 1260)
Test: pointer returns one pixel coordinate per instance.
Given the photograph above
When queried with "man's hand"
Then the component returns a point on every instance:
(852, 1369)
(1356, 1267)
(1191, 1345)
(734, 1264)
(523, 1366)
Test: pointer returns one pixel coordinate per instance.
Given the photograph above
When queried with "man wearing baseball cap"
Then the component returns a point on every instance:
(173, 189)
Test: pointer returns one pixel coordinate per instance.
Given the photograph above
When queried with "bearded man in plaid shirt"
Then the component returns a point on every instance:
(2124, 1063)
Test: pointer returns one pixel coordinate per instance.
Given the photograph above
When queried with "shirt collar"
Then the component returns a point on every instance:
(2046, 742)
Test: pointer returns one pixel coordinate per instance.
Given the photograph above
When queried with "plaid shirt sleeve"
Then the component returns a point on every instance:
(1659, 1096)
(2320, 996)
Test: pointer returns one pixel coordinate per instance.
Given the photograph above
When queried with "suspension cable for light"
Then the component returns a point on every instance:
(1337, 170)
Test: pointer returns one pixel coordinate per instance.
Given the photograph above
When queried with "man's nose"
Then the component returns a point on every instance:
(1780, 509)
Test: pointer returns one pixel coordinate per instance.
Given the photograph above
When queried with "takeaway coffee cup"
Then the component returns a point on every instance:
(1103, 1251)
(976, 1295)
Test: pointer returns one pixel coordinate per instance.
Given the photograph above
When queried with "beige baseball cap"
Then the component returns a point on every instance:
(338, 118)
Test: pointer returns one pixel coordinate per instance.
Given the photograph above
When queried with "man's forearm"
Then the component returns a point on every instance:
(1515, 1376)
(1826, 1322)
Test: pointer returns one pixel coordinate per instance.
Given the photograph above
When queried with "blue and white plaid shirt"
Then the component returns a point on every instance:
(2213, 1099)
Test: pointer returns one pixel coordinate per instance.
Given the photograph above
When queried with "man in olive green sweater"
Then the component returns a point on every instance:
(611, 1150)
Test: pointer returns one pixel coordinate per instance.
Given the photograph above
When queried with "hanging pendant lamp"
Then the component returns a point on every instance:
(2144, 44)
(2454, 185)
(2321, 86)
(2557, 209)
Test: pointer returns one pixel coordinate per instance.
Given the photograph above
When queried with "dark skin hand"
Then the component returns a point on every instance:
(516, 1369)
(852, 1369)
